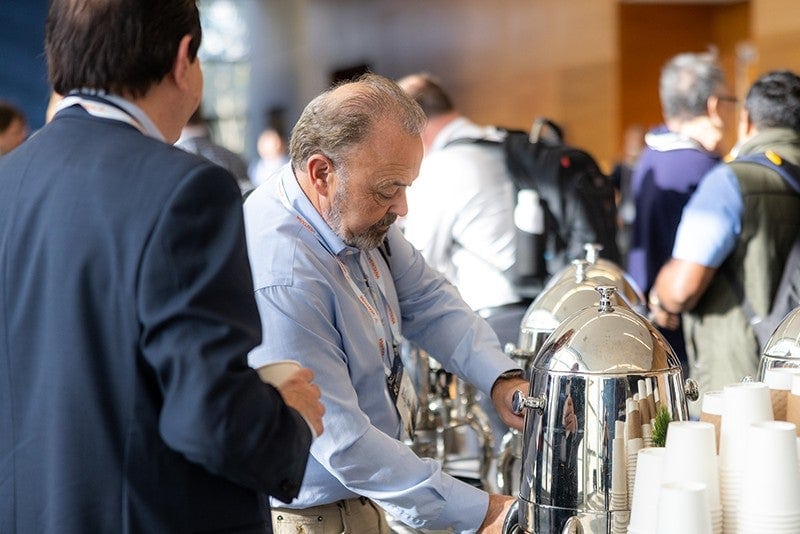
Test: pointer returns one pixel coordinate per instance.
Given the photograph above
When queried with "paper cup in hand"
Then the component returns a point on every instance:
(276, 373)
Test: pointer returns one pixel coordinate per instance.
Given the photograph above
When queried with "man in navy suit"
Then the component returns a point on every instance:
(126, 302)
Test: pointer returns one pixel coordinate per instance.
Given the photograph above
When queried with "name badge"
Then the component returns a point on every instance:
(403, 394)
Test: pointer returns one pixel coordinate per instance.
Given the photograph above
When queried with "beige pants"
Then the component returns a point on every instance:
(351, 516)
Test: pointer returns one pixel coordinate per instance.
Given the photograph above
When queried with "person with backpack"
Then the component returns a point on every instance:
(697, 107)
(734, 238)
(461, 209)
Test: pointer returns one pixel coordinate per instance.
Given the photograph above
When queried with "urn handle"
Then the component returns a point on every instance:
(690, 389)
(520, 402)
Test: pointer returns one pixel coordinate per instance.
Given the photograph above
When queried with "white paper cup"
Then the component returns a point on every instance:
(683, 507)
(619, 462)
(276, 373)
(744, 403)
(644, 504)
(711, 412)
(779, 380)
(793, 403)
(691, 457)
(771, 480)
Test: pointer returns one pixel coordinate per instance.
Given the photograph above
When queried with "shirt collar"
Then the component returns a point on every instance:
(127, 106)
(302, 205)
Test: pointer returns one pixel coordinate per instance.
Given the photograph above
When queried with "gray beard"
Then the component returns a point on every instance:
(369, 239)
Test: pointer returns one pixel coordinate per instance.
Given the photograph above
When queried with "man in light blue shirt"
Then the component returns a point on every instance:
(336, 284)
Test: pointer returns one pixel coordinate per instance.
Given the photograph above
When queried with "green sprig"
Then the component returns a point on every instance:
(662, 421)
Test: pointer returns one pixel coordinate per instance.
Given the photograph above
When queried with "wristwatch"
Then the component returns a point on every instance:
(654, 301)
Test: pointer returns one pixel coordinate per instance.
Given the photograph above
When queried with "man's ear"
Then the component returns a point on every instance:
(320, 172)
(745, 127)
(712, 108)
(180, 69)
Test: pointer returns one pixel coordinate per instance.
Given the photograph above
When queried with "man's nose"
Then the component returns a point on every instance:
(400, 207)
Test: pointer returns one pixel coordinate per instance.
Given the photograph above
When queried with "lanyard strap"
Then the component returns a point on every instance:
(377, 321)
(100, 109)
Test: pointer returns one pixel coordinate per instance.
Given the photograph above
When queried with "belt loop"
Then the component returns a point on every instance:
(344, 504)
(363, 500)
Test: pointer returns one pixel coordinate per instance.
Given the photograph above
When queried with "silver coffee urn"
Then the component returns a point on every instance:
(584, 381)
(783, 347)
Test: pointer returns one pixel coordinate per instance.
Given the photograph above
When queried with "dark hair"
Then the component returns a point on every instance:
(773, 101)
(428, 93)
(118, 46)
(8, 114)
(343, 117)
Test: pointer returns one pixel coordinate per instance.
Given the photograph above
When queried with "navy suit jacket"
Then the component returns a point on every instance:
(126, 316)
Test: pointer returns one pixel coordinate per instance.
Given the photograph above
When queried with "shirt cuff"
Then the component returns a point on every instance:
(465, 508)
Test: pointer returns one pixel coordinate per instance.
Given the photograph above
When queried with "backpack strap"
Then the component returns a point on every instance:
(787, 170)
(791, 175)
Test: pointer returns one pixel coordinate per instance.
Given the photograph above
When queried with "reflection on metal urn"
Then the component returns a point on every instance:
(582, 381)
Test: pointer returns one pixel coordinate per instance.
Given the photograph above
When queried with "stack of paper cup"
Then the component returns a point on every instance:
(683, 507)
(632, 450)
(779, 381)
(619, 487)
(647, 434)
(711, 412)
(744, 403)
(690, 457)
(771, 491)
(793, 403)
(644, 506)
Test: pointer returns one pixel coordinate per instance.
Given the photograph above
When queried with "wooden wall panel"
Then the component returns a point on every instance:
(592, 65)
(776, 34)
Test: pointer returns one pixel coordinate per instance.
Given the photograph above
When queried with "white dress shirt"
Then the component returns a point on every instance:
(461, 215)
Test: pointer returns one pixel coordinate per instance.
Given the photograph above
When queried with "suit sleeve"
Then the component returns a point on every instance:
(199, 320)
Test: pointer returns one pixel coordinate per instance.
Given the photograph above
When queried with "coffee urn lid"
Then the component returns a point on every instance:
(565, 297)
(785, 340)
(606, 339)
(603, 269)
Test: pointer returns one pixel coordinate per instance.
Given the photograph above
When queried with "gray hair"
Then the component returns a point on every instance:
(343, 116)
(687, 81)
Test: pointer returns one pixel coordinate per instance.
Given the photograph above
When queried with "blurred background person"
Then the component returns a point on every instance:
(697, 105)
(196, 138)
(13, 127)
(272, 155)
(461, 209)
(622, 179)
(734, 237)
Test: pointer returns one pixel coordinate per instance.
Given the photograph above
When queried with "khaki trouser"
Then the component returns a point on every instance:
(351, 516)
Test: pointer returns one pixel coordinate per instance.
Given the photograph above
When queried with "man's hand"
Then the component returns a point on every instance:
(496, 513)
(665, 319)
(502, 395)
(300, 393)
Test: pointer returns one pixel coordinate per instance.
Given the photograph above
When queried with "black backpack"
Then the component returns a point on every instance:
(787, 296)
(576, 198)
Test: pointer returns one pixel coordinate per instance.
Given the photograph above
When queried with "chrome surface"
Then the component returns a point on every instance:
(597, 267)
(448, 417)
(783, 347)
(586, 371)
(520, 402)
(511, 522)
(691, 390)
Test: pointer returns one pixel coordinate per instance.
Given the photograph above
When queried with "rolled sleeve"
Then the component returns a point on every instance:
(711, 221)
